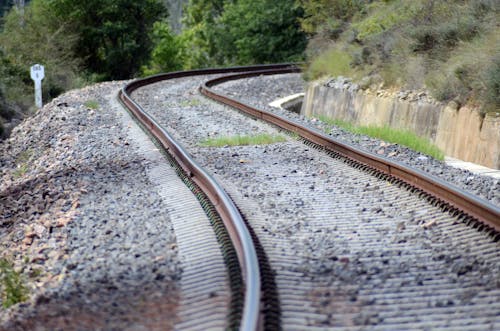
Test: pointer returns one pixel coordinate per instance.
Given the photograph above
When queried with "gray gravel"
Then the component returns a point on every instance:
(79, 221)
(260, 91)
(94, 268)
(349, 251)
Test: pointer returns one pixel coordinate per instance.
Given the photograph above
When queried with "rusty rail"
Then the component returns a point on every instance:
(251, 316)
(446, 193)
(478, 209)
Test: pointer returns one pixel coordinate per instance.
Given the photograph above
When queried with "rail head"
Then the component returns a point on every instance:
(479, 209)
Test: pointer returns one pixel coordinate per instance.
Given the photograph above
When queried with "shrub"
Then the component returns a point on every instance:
(11, 284)
(493, 85)
(333, 62)
(166, 54)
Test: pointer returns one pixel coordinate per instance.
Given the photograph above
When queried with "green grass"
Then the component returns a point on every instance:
(395, 136)
(22, 161)
(240, 140)
(21, 170)
(333, 62)
(12, 286)
(91, 104)
(190, 103)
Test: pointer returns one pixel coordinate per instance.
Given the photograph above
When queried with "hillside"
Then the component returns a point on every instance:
(451, 48)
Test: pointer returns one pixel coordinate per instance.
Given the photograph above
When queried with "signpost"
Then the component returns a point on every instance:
(37, 74)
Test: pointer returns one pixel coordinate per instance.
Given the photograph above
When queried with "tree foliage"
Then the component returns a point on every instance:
(229, 32)
(35, 36)
(262, 31)
(201, 33)
(166, 54)
(114, 36)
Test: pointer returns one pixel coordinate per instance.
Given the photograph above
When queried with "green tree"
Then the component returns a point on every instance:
(242, 32)
(201, 33)
(166, 54)
(36, 37)
(114, 36)
(261, 31)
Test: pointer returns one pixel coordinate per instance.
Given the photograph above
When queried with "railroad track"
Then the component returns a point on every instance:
(326, 279)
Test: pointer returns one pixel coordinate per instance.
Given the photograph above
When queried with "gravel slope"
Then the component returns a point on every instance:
(92, 268)
(78, 220)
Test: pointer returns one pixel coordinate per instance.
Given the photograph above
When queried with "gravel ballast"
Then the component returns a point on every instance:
(93, 243)
(262, 90)
(349, 251)
(78, 220)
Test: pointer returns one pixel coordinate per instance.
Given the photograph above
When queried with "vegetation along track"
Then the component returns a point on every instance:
(387, 258)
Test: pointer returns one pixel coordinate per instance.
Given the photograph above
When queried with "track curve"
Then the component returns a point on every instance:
(446, 194)
(251, 319)
(476, 211)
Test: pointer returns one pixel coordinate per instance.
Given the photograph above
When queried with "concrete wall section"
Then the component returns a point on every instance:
(461, 133)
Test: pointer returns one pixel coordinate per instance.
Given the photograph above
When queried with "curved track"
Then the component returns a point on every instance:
(471, 209)
(444, 193)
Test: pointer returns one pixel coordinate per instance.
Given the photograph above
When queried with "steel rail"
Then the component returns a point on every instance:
(479, 209)
(251, 317)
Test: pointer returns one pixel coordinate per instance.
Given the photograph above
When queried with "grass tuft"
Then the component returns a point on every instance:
(92, 104)
(239, 140)
(395, 136)
(12, 286)
(190, 103)
(22, 162)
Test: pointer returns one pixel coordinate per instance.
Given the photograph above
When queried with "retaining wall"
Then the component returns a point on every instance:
(459, 132)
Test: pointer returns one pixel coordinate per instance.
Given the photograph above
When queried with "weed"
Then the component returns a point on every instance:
(91, 104)
(260, 139)
(190, 103)
(22, 162)
(35, 273)
(24, 156)
(401, 137)
(12, 286)
(21, 170)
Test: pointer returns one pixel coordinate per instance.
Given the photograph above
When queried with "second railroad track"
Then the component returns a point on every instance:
(327, 236)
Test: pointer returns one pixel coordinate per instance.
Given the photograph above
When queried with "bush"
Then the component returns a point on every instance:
(166, 54)
(493, 85)
(11, 284)
(330, 63)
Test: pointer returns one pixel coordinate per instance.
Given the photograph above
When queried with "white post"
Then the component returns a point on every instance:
(37, 74)
(38, 93)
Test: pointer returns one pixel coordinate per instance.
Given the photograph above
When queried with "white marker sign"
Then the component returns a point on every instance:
(37, 74)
